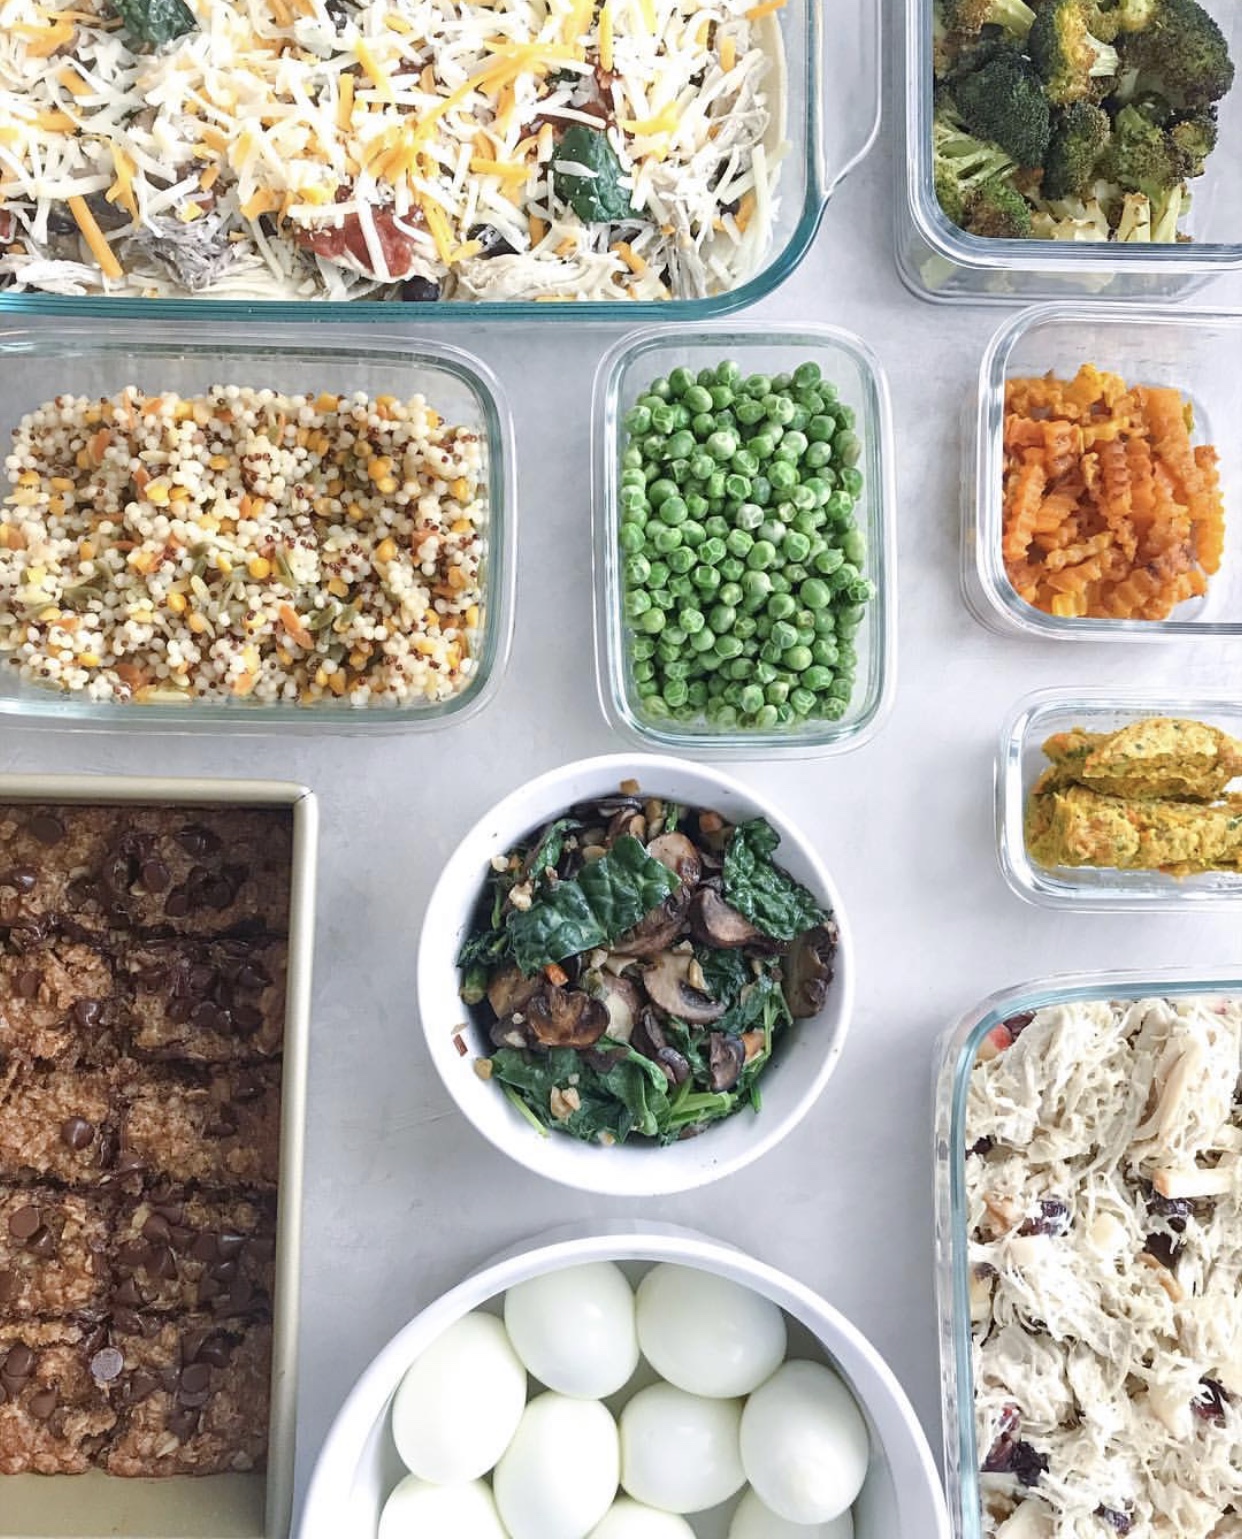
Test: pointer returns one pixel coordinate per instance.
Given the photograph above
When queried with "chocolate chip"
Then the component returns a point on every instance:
(195, 1377)
(87, 1013)
(133, 1254)
(201, 979)
(142, 1385)
(230, 1244)
(156, 876)
(192, 1344)
(8, 1286)
(97, 1338)
(129, 1294)
(180, 1008)
(216, 1350)
(209, 1017)
(24, 1222)
(77, 1133)
(204, 1248)
(42, 1404)
(217, 893)
(28, 984)
(252, 976)
(208, 1289)
(247, 1019)
(163, 1264)
(42, 1243)
(21, 879)
(157, 1229)
(107, 1364)
(247, 1086)
(183, 1422)
(240, 1297)
(20, 1361)
(224, 1271)
(195, 839)
(129, 1323)
(46, 829)
(177, 904)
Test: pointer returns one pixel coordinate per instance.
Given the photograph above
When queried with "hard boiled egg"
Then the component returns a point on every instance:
(459, 1405)
(416, 1510)
(574, 1329)
(706, 1334)
(804, 1443)
(680, 1452)
(752, 1520)
(631, 1520)
(559, 1475)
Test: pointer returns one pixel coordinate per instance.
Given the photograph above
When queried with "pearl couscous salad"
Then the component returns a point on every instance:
(243, 544)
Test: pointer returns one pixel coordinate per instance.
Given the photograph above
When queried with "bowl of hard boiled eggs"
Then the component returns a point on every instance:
(635, 1384)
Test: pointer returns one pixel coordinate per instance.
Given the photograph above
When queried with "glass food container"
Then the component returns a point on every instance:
(46, 359)
(847, 362)
(940, 262)
(830, 82)
(955, 1059)
(1020, 763)
(1195, 351)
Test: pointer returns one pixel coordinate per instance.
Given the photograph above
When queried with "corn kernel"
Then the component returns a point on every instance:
(259, 567)
(178, 603)
(379, 467)
(28, 478)
(460, 488)
(472, 617)
(386, 550)
(337, 683)
(86, 551)
(157, 493)
(338, 588)
(355, 512)
(218, 462)
(61, 484)
(386, 485)
(197, 624)
(461, 526)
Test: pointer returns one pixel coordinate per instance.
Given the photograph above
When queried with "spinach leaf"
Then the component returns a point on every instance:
(484, 947)
(767, 896)
(156, 21)
(726, 973)
(607, 897)
(631, 1096)
(551, 846)
(596, 196)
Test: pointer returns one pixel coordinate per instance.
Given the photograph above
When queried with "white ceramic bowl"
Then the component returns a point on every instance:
(801, 1067)
(358, 1465)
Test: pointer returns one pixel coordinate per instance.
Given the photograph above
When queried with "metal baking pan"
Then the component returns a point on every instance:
(249, 1506)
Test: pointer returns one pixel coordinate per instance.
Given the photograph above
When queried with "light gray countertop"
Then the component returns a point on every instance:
(402, 1196)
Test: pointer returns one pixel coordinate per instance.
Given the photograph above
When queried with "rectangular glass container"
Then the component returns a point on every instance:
(940, 262)
(848, 362)
(44, 359)
(1195, 351)
(1020, 763)
(956, 1055)
(258, 1504)
(832, 60)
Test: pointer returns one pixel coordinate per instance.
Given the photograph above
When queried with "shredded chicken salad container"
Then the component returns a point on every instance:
(346, 155)
(940, 262)
(232, 527)
(1188, 824)
(1088, 1192)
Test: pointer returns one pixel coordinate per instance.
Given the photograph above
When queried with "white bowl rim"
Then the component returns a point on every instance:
(326, 1511)
(671, 1172)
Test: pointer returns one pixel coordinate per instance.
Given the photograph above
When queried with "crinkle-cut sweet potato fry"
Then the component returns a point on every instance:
(1109, 510)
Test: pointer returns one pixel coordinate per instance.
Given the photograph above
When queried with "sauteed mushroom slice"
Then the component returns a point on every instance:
(680, 855)
(808, 969)
(656, 931)
(566, 1018)
(509, 990)
(714, 923)
(726, 1057)
(668, 985)
(622, 1000)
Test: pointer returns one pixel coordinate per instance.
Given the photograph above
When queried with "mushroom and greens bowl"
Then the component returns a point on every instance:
(633, 965)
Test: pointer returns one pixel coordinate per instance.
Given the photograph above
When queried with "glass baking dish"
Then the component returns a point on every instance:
(956, 1055)
(831, 98)
(1021, 761)
(846, 361)
(45, 359)
(940, 262)
(1194, 350)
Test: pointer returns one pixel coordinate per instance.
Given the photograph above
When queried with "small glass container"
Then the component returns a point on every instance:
(1020, 763)
(828, 117)
(42, 360)
(956, 1056)
(940, 262)
(1195, 351)
(847, 362)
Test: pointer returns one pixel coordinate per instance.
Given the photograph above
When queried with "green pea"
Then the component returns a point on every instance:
(783, 476)
(761, 555)
(663, 420)
(829, 561)
(781, 606)
(631, 539)
(681, 445)
(824, 653)
(727, 647)
(751, 701)
(675, 637)
(637, 603)
(762, 446)
(777, 691)
(706, 577)
(795, 548)
(731, 592)
(722, 397)
(714, 486)
(692, 532)
(801, 701)
(817, 679)
(766, 718)
(681, 587)
(722, 619)
(737, 486)
(702, 425)
(817, 456)
(691, 620)
(679, 381)
(797, 658)
(847, 448)
(729, 373)
(703, 640)
(673, 511)
(637, 571)
(665, 539)
(637, 420)
(761, 490)
(698, 399)
(744, 627)
(852, 482)
(651, 622)
(739, 542)
(783, 636)
(793, 446)
(712, 551)
(642, 647)
(722, 445)
(832, 709)
(807, 375)
(745, 464)
(815, 594)
(758, 386)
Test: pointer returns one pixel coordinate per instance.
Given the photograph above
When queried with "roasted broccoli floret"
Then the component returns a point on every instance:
(962, 165)
(1070, 58)
(1080, 136)
(1004, 101)
(1140, 156)
(998, 211)
(969, 17)
(1181, 53)
(1193, 139)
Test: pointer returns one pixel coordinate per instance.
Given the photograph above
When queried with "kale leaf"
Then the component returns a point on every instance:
(726, 973)
(607, 897)
(156, 21)
(766, 895)
(629, 1096)
(551, 845)
(598, 196)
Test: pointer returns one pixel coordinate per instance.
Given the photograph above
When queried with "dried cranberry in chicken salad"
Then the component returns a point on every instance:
(1104, 1190)
(634, 964)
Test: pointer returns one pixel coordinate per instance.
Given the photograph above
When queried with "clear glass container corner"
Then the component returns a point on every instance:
(849, 363)
(39, 361)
